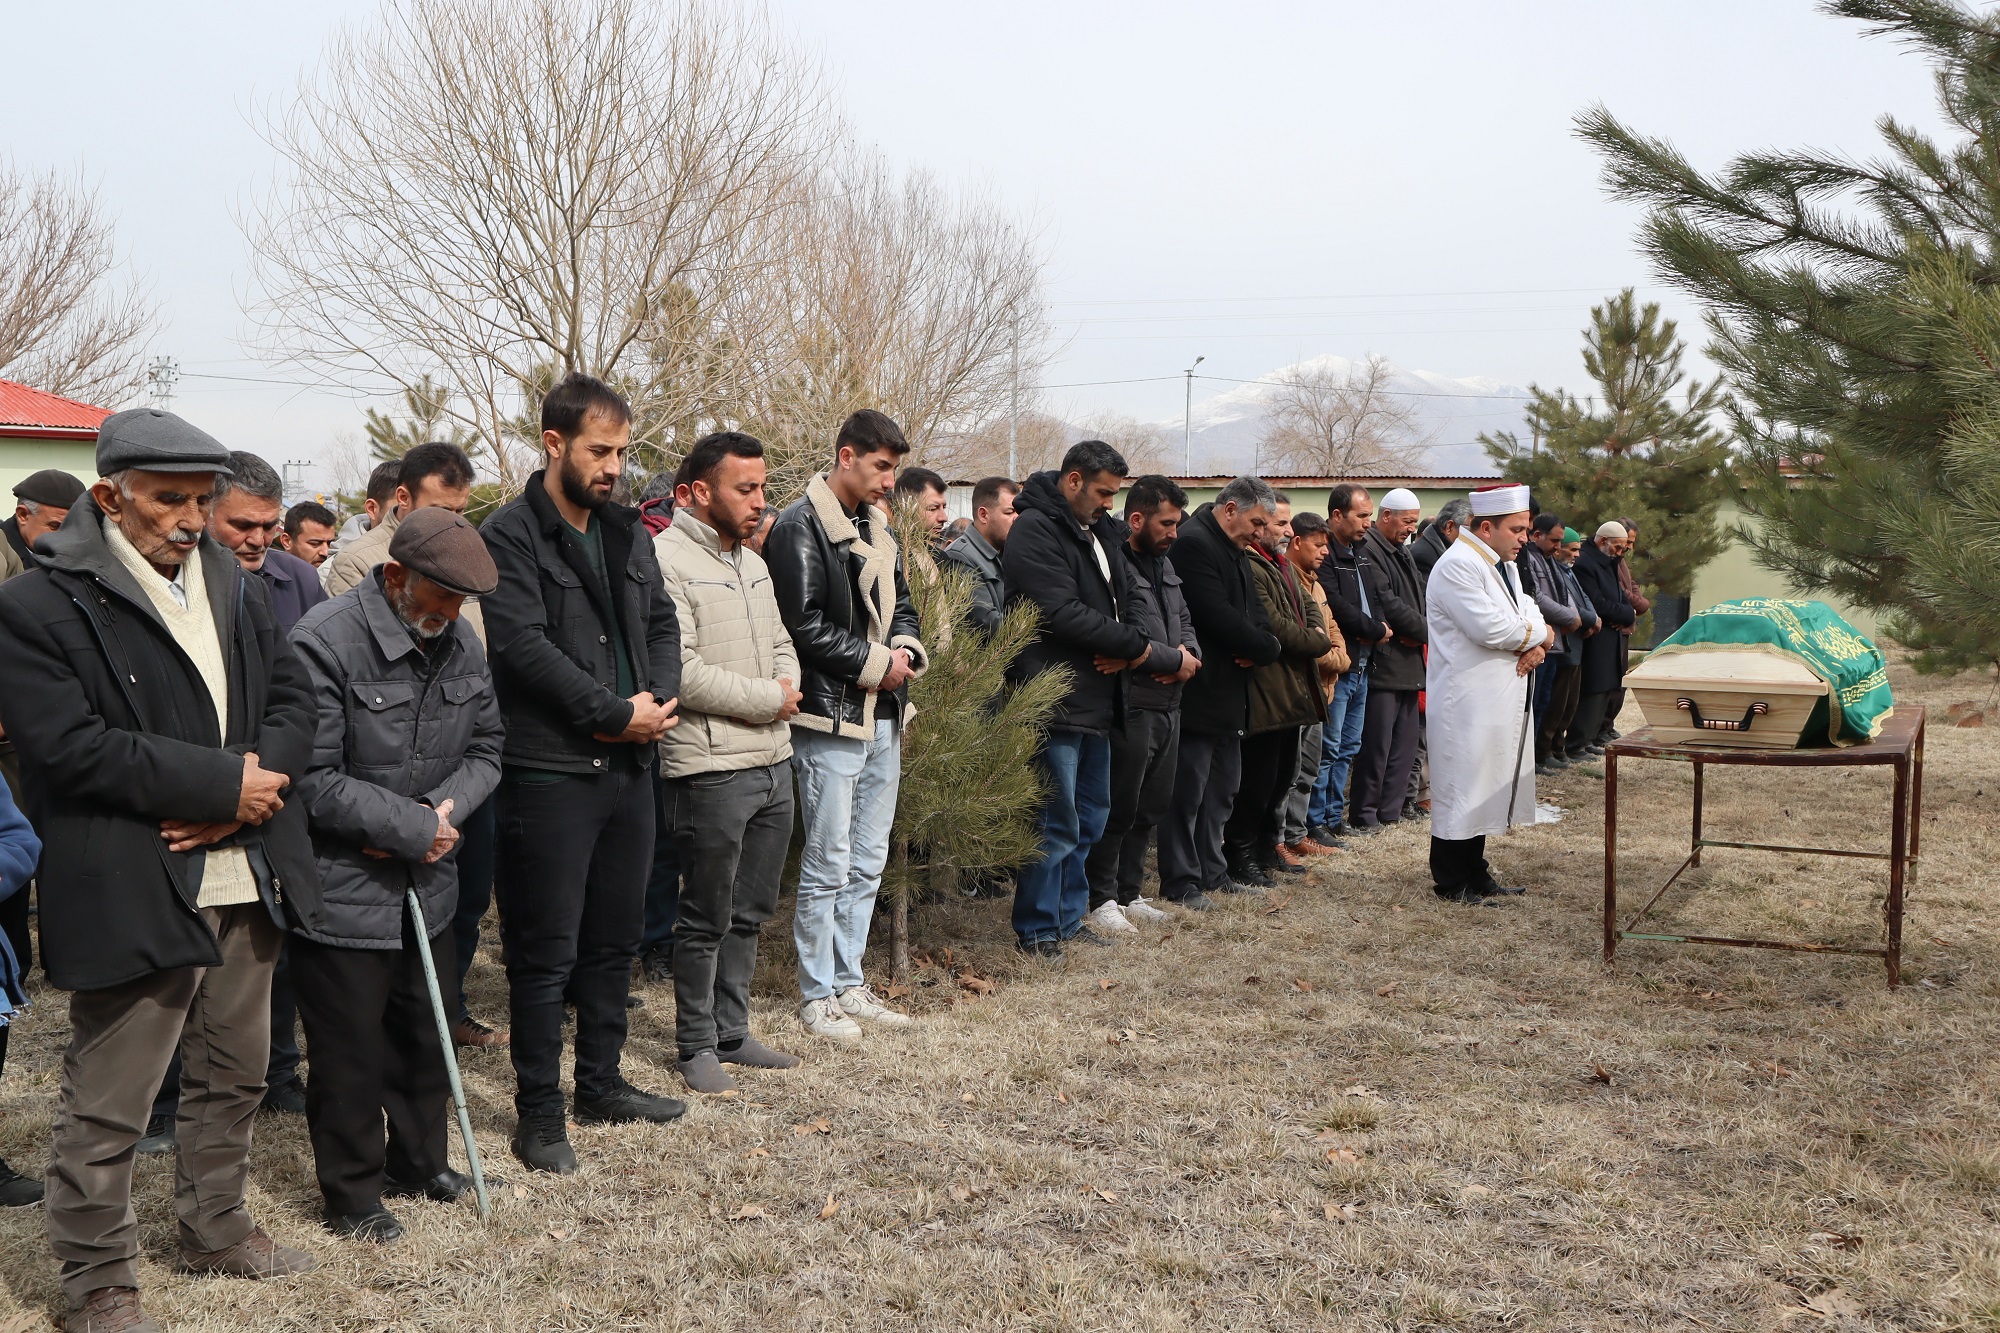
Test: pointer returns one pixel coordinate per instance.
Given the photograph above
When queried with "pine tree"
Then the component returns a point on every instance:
(1855, 309)
(970, 787)
(1652, 453)
(426, 419)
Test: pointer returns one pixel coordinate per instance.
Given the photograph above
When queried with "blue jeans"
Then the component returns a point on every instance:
(1342, 741)
(847, 798)
(663, 889)
(1545, 684)
(1051, 895)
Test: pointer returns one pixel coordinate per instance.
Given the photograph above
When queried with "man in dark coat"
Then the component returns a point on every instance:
(1437, 536)
(977, 550)
(41, 501)
(1233, 635)
(1603, 666)
(1062, 556)
(1146, 745)
(586, 656)
(1349, 579)
(1395, 670)
(408, 747)
(160, 719)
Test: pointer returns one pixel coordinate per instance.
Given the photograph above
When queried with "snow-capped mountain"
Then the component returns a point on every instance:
(1450, 414)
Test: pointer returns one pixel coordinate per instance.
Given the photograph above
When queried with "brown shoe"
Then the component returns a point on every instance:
(255, 1256)
(1287, 858)
(110, 1310)
(471, 1032)
(1307, 847)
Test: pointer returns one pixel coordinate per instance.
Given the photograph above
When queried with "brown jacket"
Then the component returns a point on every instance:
(1287, 693)
(1335, 663)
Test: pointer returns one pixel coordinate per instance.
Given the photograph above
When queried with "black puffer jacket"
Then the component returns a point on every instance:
(1597, 574)
(548, 633)
(1048, 561)
(847, 608)
(1397, 595)
(117, 732)
(1229, 622)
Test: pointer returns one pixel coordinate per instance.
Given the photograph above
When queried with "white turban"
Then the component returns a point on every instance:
(1400, 498)
(1494, 501)
(1611, 532)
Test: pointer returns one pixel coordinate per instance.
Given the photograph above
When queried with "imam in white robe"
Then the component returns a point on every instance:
(1476, 704)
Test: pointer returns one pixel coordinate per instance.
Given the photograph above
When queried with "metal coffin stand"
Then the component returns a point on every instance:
(1900, 745)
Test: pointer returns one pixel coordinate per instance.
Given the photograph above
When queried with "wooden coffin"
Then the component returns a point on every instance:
(1731, 697)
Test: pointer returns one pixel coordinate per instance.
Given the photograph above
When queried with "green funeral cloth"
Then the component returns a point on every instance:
(1813, 635)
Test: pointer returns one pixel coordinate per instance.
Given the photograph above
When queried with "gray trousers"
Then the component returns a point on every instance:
(731, 831)
(1293, 805)
(1143, 757)
(1587, 725)
(121, 1038)
(1206, 775)
(1388, 754)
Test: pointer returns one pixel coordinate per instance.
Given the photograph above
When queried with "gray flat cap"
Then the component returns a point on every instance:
(51, 486)
(154, 441)
(447, 550)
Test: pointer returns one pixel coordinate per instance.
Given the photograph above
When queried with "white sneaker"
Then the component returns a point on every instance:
(1143, 909)
(1108, 920)
(861, 1002)
(825, 1018)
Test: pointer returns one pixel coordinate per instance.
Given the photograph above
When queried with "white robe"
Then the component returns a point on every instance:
(1476, 719)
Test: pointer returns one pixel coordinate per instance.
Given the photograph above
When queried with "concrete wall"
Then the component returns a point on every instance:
(18, 458)
(1734, 575)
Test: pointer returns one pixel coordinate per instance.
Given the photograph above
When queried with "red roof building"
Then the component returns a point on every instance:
(27, 413)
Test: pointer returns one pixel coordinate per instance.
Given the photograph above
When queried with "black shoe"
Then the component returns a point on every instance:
(1195, 902)
(377, 1224)
(1252, 875)
(1326, 835)
(1240, 887)
(1493, 888)
(1341, 828)
(446, 1186)
(1411, 810)
(1085, 935)
(1052, 950)
(1593, 750)
(287, 1098)
(656, 967)
(541, 1142)
(16, 1190)
(1546, 769)
(634, 1001)
(159, 1139)
(1464, 895)
(626, 1104)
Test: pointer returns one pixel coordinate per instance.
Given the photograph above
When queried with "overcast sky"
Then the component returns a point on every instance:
(1254, 183)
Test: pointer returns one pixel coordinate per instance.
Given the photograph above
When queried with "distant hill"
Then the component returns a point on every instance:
(1450, 415)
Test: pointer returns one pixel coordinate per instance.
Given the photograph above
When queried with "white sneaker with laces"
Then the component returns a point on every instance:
(825, 1018)
(1108, 920)
(1143, 909)
(861, 1002)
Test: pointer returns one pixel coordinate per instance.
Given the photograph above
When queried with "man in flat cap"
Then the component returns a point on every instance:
(161, 721)
(408, 747)
(41, 502)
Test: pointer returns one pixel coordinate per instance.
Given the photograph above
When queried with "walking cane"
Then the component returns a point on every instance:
(450, 1055)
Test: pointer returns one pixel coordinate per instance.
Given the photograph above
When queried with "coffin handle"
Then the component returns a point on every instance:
(1693, 710)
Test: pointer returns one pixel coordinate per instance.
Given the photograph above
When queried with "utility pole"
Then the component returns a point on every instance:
(162, 373)
(1014, 403)
(295, 480)
(1187, 421)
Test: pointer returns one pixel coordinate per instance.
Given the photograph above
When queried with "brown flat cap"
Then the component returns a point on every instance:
(50, 486)
(445, 549)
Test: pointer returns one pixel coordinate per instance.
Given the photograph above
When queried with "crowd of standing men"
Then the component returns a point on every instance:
(272, 768)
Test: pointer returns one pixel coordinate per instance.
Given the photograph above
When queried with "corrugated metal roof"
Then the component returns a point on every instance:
(21, 406)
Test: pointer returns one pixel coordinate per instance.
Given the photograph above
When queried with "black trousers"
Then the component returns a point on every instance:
(1555, 722)
(478, 845)
(1206, 773)
(1460, 863)
(375, 1054)
(1143, 769)
(575, 852)
(731, 832)
(1590, 715)
(1388, 753)
(1270, 758)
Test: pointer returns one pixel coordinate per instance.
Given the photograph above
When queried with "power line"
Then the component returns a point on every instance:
(1312, 314)
(1350, 296)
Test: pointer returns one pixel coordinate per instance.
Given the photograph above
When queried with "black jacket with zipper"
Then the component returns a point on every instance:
(1345, 574)
(548, 634)
(1048, 561)
(1397, 597)
(117, 732)
(1229, 622)
(1597, 574)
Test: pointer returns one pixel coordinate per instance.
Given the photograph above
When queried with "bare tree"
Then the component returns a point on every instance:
(68, 324)
(1331, 418)
(1145, 447)
(490, 193)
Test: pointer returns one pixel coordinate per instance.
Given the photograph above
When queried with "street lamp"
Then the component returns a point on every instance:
(1187, 419)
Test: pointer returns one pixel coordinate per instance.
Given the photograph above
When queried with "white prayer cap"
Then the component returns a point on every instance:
(1611, 531)
(1493, 501)
(1400, 498)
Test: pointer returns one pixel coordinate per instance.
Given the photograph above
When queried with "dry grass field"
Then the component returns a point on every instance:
(1346, 1106)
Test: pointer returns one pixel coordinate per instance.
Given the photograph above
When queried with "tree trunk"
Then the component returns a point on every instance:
(899, 918)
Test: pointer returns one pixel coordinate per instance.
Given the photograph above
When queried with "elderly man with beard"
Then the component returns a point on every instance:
(408, 744)
(586, 658)
(161, 719)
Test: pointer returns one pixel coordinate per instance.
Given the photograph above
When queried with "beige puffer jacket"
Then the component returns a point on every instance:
(734, 650)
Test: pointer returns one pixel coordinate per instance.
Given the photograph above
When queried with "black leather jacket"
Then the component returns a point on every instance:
(817, 581)
(548, 634)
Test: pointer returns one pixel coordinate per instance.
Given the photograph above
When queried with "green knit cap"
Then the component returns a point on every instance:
(1571, 535)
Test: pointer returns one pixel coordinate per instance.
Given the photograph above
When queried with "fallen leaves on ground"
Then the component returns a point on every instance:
(1839, 1240)
(749, 1212)
(1108, 983)
(896, 990)
(964, 1193)
(832, 1207)
(1833, 1303)
(819, 1126)
(1253, 981)
(975, 983)
(1359, 1090)
(1599, 1074)
(1303, 985)
(1342, 1154)
(756, 1152)
(1388, 990)
(1062, 1098)
(1343, 1212)
(1121, 1036)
